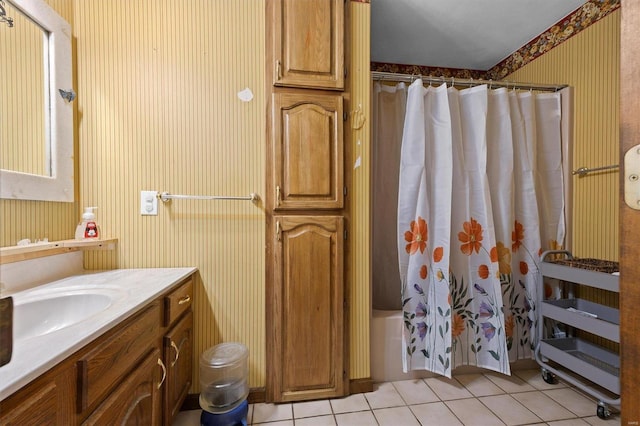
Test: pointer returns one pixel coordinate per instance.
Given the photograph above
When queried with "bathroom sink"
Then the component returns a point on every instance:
(45, 312)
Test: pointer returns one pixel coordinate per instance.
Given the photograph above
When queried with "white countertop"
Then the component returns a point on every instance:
(133, 288)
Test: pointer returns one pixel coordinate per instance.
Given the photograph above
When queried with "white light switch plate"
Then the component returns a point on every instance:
(149, 203)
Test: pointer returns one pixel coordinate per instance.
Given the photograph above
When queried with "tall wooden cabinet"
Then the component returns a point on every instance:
(305, 203)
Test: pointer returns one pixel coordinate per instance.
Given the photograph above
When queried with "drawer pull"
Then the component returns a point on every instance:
(184, 300)
(164, 372)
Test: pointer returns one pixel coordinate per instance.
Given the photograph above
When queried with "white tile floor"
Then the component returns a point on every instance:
(470, 399)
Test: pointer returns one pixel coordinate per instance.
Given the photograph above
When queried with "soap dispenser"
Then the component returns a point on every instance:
(88, 227)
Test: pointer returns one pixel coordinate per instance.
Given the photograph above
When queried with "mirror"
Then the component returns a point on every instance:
(36, 121)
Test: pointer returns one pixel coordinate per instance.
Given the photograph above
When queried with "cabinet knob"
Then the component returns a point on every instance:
(184, 300)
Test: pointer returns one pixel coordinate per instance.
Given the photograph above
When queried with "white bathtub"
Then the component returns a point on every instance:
(386, 348)
(386, 351)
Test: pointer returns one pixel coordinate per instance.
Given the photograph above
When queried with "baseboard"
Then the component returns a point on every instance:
(361, 385)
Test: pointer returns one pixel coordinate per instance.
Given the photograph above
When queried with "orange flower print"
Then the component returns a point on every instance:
(437, 254)
(524, 268)
(548, 291)
(517, 235)
(471, 237)
(457, 326)
(483, 272)
(417, 236)
(423, 272)
(509, 325)
(501, 254)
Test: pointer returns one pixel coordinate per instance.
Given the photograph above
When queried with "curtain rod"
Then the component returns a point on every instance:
(410, 78)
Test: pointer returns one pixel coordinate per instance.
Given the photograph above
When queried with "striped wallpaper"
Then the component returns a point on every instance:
(358, 136)
(590, 62)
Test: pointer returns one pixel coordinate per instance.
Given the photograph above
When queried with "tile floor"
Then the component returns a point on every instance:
(470, 399)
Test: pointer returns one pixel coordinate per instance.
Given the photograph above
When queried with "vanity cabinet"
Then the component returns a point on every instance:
(177, 349)
(137, 373)
(136, 401)
(308, 43)
(48, 400)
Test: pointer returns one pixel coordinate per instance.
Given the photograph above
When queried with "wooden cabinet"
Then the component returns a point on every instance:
(308, 151)
(100, 369)
(48, 400)
(137, 373)
(178, 351)
(305, 203)
(308, 43)
(310, 303)
(137, 400)
(177, 346)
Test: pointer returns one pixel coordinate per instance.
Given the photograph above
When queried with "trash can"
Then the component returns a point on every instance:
(223, 385)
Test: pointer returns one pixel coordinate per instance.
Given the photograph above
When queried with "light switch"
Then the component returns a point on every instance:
(149, 203)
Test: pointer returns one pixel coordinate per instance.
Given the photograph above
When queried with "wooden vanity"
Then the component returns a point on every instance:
(137, 372)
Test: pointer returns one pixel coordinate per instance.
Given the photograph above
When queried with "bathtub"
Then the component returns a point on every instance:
(386, 348)
(386, 351)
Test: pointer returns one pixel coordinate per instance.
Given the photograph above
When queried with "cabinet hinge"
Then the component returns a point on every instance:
(344, 191)
(345, 72)
(346, 234)
(344, 116)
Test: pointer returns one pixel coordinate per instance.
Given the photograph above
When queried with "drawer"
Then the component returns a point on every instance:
(116, 355)
(177, 302)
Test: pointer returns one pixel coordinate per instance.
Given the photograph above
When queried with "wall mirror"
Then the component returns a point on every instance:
(36, 120)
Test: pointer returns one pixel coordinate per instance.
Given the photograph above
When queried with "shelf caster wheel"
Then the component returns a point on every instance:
(603, 412)
(548, 377)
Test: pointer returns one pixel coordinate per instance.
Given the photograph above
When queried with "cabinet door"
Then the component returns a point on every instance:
(46, 401)
(308, 151)
(178, 350)
(308, 43)
(308, 353)
(136, 401)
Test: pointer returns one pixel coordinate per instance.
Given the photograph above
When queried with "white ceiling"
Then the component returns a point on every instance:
(466, 34)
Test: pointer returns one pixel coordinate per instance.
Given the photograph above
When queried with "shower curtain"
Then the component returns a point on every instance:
(480, 196)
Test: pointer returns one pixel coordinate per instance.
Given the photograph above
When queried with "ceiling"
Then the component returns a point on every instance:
(465, 34)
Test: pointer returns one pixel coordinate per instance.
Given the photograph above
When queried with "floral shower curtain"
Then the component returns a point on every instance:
(480, 196)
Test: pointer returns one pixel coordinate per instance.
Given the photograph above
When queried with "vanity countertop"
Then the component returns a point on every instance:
(132, 289)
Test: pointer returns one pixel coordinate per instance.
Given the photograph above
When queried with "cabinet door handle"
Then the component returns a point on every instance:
(277, 195)
(278, 69)
(278, 230)
(184, 300)
(177, 349)
(164, 372)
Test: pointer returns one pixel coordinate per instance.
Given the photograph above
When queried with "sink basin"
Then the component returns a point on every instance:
(43, 313)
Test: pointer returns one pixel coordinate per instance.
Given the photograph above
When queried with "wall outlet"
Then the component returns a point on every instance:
(149, 203)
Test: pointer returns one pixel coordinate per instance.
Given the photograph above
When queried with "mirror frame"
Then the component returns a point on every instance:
(59, 186)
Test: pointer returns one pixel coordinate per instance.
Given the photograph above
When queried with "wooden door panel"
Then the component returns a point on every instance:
(308, 151)
(629, 217)
(311, 299)
(308, 43)
(178, 351)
